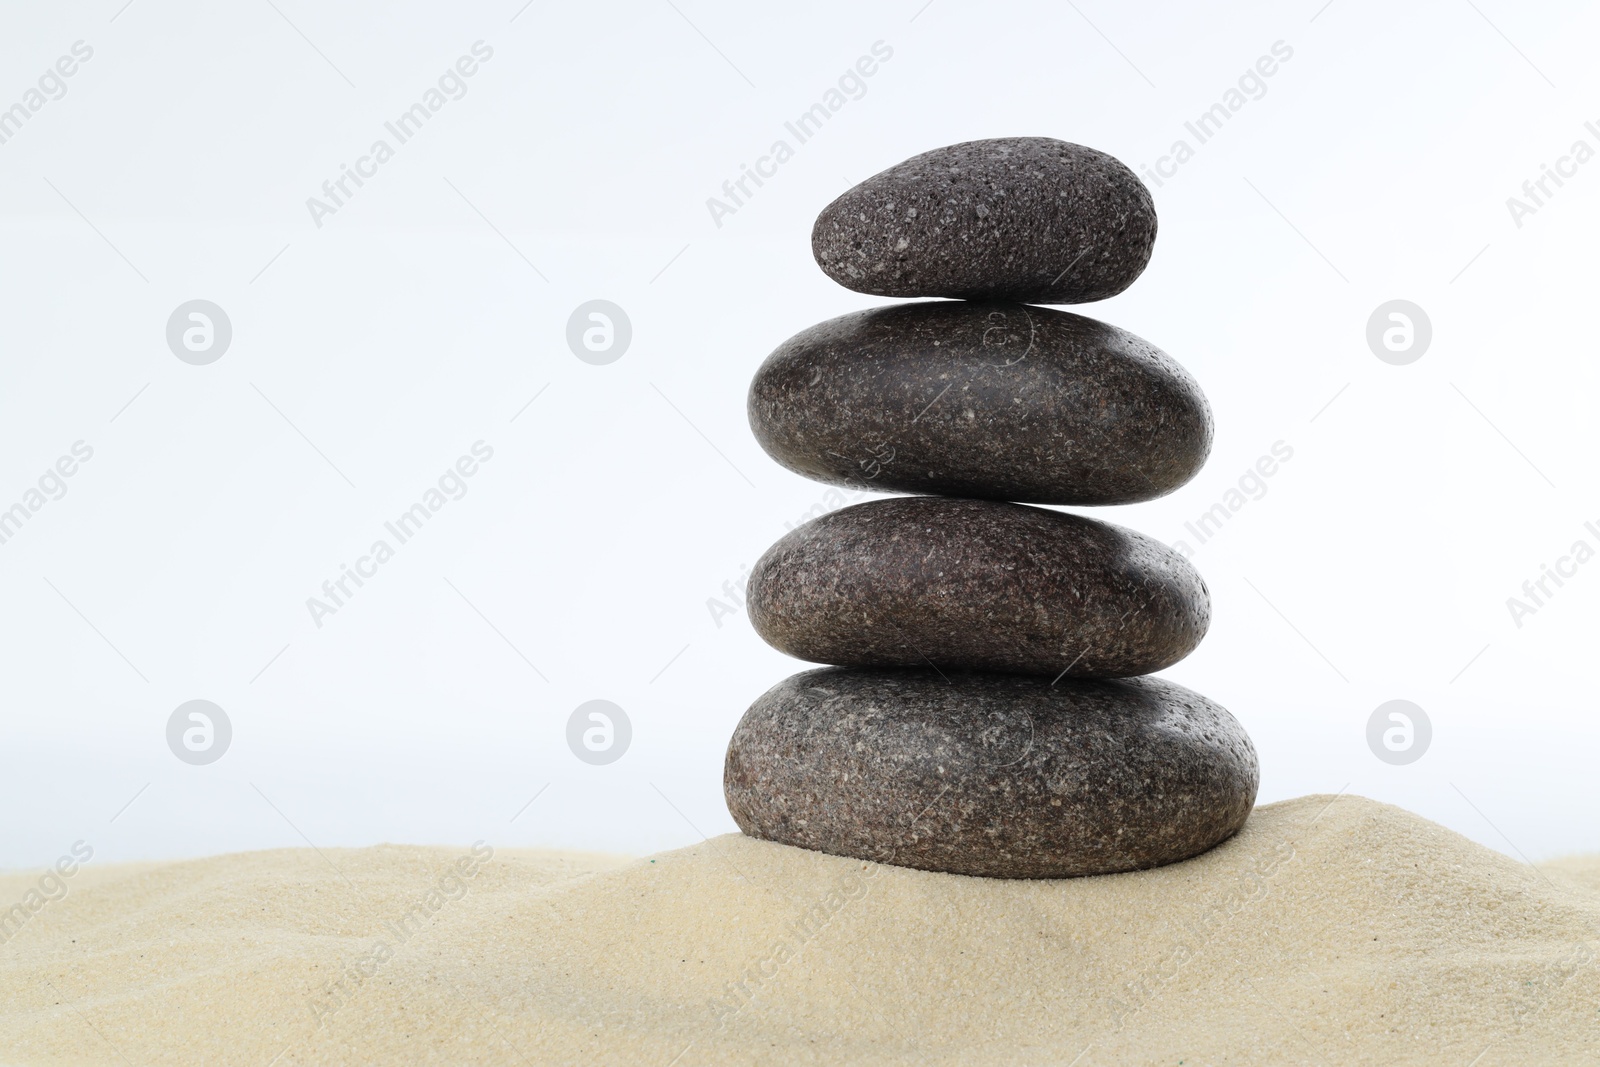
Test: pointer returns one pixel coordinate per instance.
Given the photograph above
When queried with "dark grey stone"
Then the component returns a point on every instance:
(1000, 401)
(1014, 218)
(977, 584)
(990, 774)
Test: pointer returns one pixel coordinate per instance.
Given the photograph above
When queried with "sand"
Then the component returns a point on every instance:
(1329, 931)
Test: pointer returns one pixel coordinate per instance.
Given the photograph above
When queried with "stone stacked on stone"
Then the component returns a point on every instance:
(1031, 219)
(984, 713)
(987, 400)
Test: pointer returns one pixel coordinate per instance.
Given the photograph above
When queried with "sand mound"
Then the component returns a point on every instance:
(1328, 931)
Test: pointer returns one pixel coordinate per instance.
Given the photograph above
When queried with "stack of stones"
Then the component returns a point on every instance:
(985, 715)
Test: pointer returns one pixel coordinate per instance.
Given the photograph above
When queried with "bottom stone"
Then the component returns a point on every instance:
(1004, 776)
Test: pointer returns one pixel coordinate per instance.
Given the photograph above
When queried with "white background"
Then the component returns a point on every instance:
(413, 323)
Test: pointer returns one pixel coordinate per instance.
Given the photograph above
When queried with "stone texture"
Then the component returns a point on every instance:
(990, 774)
(1014, 218)
(977, 584)
(1000, 401)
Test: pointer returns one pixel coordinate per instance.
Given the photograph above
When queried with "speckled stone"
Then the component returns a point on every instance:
(990, 774)
(1014, 218)
(980, 585)
(1000, 401)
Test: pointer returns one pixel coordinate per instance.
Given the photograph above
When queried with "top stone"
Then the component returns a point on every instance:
(1029, 219)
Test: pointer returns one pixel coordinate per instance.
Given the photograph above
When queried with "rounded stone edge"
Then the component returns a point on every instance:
(1248, 766)
(1140, 254)
(1141, 551)
(775, 445)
